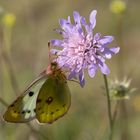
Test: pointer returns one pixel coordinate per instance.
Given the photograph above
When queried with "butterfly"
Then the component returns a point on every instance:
(46, 99)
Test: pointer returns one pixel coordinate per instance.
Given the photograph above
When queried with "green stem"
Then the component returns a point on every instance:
(6, 56)
(115, 113)
(109, 107)
(12, 76)
(121, 53)
(123, 114)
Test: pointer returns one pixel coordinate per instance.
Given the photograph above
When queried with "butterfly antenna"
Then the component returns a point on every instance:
(49, 47)
(51, 55)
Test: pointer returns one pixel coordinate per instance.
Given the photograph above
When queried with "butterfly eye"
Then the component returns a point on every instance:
(53, 66)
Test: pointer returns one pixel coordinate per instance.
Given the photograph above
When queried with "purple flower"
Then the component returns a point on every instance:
(80, 49)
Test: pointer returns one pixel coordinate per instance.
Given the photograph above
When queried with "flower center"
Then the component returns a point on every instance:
(86, 50)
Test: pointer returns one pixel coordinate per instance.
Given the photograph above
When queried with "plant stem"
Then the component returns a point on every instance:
(123, 110)
(109, 107)
(6, 56)
(12, 76)
(115, 113)
(121, 53)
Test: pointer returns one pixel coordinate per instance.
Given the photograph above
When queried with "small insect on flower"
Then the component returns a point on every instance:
(120, 89)
(80, 49)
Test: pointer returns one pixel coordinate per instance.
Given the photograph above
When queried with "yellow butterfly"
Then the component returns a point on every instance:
(47, 98)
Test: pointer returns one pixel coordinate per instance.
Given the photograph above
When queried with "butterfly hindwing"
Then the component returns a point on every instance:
(53, 100)
(23, 108)
(47, 98)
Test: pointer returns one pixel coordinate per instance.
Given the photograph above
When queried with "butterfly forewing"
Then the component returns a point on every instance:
(23, 108)
(53, 100)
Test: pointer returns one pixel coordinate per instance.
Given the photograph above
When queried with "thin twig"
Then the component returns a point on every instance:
(13, 79)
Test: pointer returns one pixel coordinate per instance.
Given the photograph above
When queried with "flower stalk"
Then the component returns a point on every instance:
(8, 21)
(109, 107)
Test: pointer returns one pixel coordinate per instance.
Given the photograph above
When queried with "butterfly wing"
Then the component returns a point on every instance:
(23, 108)
(53, 100)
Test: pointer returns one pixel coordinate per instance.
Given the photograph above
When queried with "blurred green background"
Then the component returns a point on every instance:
(87, 117)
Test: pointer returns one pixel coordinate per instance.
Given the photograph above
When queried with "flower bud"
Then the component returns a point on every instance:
(120, 89)
(117, 6)
(9, 19)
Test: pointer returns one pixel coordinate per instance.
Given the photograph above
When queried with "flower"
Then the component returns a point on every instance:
(9, 19)
(120, 89)
(118, 6)
(80, 49)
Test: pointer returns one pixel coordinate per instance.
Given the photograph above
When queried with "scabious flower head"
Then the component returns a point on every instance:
(120, 89)
(81, 49)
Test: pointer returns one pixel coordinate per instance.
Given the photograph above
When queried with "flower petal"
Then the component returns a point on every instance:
(72, 75)
(97, 37)
(104, 69)
(56, 42)
(86, 26)
(106, 40)
(92, 18)
(115, 50)
(108, 52)
(92, 70)
(81, 78)
(62, 22)
(69, 19)
(65, 25)
(77, 17)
